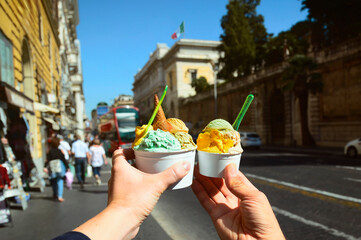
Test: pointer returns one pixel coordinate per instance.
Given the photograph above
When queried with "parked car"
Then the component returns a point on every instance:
(353, 148)
(250, 139)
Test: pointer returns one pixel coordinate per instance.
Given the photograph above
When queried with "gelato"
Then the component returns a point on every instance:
(175, 126)
(219, 137)
(185, 140)
(159, 141)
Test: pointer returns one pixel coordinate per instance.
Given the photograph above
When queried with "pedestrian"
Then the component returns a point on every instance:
(64, 145)
(237, 208)
(81, 155)
(97, 159)
(56, 166)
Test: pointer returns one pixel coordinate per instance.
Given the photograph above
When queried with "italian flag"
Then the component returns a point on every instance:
(179, 31)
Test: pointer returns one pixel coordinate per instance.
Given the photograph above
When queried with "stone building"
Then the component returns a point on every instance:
(30, 70)
(73, 108)
(334, 116)
(123, 100)
(187, 59)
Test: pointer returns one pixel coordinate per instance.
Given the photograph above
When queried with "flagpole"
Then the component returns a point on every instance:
(184, 27)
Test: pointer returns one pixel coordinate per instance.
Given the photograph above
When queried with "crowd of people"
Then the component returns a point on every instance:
(81, 153)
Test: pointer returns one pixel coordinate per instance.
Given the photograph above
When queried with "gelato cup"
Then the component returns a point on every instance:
(213, 164)
(155, 162)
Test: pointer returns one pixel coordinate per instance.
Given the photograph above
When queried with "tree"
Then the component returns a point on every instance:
(200, 84)
(294, 40)
(243, 38)
(301, 78)
(333, 21)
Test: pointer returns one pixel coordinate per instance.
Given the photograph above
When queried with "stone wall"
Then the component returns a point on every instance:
(334, 115)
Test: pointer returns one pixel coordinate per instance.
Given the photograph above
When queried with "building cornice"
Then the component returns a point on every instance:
(53, 24)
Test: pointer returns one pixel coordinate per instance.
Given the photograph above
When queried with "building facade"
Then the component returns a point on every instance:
(40, 76)
(30, 67)
(73, 108)
(123, 100)
(334, 115)
(176, 67)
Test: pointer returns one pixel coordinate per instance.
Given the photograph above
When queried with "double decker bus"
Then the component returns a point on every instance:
(117, 127)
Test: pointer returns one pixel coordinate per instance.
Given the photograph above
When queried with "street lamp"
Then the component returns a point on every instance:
(215, 67)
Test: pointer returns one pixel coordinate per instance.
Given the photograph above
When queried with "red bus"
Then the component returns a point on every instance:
(117, 128)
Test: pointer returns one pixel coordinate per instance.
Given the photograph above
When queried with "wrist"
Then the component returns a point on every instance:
(128, 220)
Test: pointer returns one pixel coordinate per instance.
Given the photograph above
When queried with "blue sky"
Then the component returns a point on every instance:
(117, 36)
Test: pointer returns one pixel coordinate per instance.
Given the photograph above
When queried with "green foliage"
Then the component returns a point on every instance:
(333, 21)
(200, 84)
(243, 38)
(300, 76)
(294, 40)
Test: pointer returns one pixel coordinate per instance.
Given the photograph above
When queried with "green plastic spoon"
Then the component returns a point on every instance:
(156, 110)
(243, 111)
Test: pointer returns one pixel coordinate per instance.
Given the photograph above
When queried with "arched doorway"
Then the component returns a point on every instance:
(277, 118)
(28, 84)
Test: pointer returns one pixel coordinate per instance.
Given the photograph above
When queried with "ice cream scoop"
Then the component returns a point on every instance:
(185, 140)
(159, 141)
(140, 133)
(219, 137)
(177, 125)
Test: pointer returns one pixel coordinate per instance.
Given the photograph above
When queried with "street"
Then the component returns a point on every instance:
(314, 196)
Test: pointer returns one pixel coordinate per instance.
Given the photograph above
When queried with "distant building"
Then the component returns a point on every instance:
(123, 100)
(73, 108)
(187, 59)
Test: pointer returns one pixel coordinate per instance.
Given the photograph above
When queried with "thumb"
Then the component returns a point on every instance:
(238, 184)
(173, 174)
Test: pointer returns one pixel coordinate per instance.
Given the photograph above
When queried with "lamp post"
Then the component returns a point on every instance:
(215, 67)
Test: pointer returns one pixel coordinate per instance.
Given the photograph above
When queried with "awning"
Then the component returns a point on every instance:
(54, 125)
(16, 98)
(45, 108)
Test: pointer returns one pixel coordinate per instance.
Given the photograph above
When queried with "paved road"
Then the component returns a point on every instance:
(313, 196)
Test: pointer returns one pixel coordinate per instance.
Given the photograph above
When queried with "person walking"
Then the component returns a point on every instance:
(81, 154)
(64, 145)
(57, 165)
(97, 159)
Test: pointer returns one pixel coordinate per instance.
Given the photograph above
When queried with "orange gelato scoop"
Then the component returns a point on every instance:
(214, 142)
(178, 125)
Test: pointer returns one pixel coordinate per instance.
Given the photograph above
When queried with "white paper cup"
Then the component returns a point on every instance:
(155, 162)
(213, 164)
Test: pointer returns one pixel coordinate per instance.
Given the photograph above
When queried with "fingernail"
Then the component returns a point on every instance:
(186, 166)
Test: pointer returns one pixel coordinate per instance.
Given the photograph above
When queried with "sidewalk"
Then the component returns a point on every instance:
(307, 150)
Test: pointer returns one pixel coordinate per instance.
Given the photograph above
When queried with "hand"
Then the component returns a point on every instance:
(237, 208)
(46, 170)
(132, 195)
(68, 170)
(138, 191)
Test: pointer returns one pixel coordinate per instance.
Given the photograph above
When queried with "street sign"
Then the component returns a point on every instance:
(101, 110)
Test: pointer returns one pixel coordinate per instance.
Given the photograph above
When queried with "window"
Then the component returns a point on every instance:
(6, 61)
(193, 74)
(170, 80)
(40, 22)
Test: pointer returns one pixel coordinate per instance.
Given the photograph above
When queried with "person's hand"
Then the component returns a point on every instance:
(237, 208)
(46, 170)
(138, 191)
(68, 170)
(132, 195)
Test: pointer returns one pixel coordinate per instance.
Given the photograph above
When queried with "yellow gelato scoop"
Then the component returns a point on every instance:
(140, 133)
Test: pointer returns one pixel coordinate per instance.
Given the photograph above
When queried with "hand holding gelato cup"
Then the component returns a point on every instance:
(164, 144)
(218, 145)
